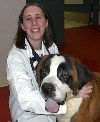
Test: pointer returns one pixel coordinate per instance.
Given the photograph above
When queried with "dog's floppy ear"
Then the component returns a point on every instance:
(83, 74)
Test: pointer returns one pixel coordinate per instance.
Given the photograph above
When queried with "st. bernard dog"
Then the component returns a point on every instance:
(60, 78)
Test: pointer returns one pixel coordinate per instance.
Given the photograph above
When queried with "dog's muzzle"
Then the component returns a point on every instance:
(48, 90)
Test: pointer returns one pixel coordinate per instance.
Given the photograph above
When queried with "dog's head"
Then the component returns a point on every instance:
(59, 75)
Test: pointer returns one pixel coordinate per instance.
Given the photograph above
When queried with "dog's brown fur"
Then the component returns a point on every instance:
(89, 110)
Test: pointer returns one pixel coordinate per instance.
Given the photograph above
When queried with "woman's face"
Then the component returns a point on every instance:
(34, 23)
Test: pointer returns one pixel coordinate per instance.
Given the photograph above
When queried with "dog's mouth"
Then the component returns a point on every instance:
(62, 102)
(58, 101)
(51, 105)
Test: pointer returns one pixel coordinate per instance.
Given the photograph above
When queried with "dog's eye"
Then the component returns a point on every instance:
(44, 72)
(63, 73)
(64, 76)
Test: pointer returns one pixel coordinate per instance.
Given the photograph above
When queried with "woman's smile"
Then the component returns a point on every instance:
(35, 30)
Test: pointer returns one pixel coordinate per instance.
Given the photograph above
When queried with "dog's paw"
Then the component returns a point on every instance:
(73, 106)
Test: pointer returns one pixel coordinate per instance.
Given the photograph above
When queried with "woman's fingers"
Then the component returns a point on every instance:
(84, 92)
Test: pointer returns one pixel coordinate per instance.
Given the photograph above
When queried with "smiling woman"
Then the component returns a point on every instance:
(34, 24)
(55, 9)
(33, 39)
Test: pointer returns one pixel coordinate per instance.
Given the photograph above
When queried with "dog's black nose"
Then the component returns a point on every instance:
(47, 88)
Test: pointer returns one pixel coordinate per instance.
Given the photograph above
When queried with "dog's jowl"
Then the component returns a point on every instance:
(60, 78)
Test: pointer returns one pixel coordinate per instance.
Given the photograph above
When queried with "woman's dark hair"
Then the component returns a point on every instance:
(20, 36)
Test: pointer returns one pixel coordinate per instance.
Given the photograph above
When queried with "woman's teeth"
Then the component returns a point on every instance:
(35, 30)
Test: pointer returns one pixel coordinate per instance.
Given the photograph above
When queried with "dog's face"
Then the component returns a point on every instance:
(59, 76)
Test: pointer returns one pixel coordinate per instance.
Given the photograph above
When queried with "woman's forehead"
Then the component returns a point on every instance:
(33, 10)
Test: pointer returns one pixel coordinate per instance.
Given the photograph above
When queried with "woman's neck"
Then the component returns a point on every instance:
(36, 44)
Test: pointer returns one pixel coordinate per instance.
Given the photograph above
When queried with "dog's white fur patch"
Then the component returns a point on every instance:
(61, 88)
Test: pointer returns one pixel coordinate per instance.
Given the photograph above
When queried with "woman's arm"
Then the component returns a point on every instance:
(27, 96)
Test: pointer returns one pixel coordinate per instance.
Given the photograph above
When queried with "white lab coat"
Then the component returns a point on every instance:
(26, 102)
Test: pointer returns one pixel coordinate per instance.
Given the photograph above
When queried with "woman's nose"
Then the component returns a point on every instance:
(34, 21)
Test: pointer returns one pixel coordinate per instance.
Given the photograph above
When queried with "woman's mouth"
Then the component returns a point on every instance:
(35, 30)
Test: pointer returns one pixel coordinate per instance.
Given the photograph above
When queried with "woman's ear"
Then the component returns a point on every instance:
(22, 27)
(46, 23)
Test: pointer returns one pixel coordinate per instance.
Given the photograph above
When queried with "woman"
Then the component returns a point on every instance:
(33, 39)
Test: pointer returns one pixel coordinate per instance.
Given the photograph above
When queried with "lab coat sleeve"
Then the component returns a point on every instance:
(28, 97)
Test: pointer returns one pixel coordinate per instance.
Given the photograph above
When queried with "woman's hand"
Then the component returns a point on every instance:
(84, 92)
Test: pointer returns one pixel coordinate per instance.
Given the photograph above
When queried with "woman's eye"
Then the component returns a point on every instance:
(28, 19)
(38, 17)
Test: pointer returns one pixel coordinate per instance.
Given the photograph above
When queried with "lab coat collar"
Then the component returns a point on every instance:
(29, 50)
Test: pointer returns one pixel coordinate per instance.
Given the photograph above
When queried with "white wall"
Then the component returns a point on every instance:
(9, 11)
